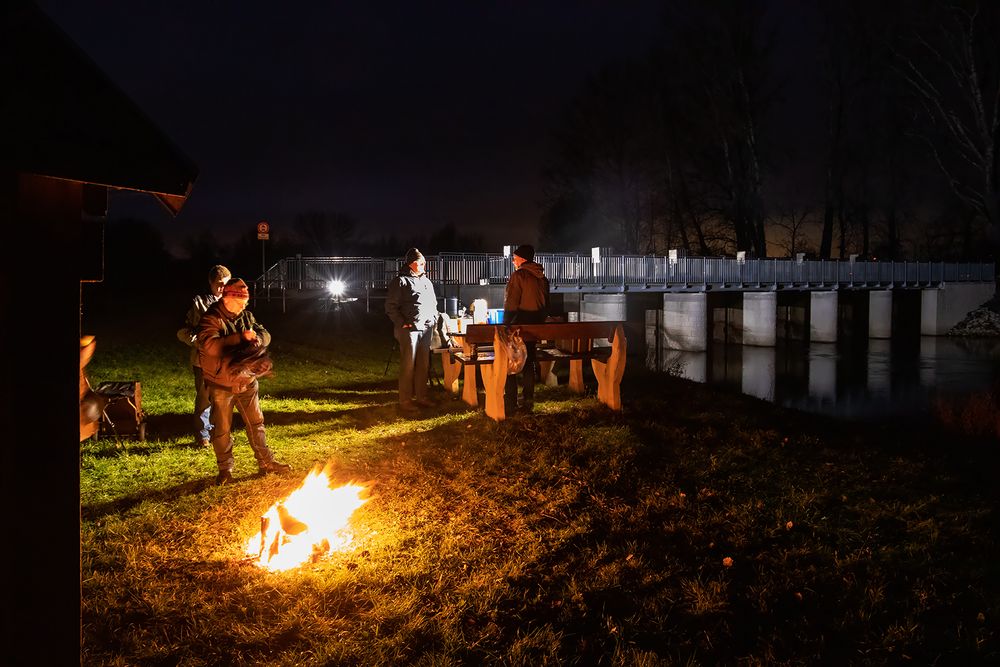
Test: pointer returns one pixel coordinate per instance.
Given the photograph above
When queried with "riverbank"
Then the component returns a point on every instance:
(983, 321)
(694, 527)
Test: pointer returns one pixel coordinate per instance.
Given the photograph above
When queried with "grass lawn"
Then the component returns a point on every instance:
(694, 527)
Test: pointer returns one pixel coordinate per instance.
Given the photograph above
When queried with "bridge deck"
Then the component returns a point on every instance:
(309, 276)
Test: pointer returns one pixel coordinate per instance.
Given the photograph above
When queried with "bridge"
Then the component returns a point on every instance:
(683, 301)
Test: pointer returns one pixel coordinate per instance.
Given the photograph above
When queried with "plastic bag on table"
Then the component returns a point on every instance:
(517, 352)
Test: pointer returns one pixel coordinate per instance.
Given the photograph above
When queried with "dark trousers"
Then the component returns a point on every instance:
(414, 362)
(529, 372)
(528, 375)
(202, 408)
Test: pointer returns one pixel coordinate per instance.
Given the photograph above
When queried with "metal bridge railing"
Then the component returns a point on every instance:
(618, 273)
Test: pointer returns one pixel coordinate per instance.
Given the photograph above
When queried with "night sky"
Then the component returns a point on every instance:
(405, 115)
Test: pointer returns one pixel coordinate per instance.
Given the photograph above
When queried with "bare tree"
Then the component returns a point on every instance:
(953, 69)
(600, 178)
(725, 48)
(794, 230)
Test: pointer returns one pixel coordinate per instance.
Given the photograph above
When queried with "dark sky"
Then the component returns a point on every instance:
(406, 115)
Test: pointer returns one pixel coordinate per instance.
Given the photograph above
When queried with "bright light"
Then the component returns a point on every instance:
(336, 287)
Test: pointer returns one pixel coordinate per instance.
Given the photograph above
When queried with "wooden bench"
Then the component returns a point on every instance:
(569, 341)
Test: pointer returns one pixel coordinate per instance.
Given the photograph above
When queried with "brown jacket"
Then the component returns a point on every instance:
(220, 339)
(526, 298)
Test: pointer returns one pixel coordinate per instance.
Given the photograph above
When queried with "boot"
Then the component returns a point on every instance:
(274, 466)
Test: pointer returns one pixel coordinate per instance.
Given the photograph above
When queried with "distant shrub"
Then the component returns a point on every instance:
(976, 414)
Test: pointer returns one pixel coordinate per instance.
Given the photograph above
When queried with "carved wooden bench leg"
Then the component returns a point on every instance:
(451, 370)
(548, 378)
(609, 374)
(576, 376)
(469, 393)
(494, 379)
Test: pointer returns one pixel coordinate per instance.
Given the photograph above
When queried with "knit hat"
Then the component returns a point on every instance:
(525, 252)
(413, 255)
(236, 289)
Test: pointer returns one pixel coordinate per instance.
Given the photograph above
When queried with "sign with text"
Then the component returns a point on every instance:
(263, 231)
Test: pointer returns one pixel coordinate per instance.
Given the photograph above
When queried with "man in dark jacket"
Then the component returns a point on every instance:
(525, 301)
(218, 276)
(228, 334)
(412, 307)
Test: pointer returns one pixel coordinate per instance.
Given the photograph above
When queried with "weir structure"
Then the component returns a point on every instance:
(682, 302)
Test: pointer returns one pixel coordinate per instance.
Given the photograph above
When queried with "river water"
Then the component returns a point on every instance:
(863, 380)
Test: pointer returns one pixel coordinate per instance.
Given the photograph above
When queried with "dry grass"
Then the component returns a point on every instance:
(571, 536)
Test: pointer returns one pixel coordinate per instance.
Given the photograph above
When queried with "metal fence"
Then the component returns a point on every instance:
(618, 273)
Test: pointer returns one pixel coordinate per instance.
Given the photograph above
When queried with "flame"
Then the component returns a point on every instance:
(310, 523)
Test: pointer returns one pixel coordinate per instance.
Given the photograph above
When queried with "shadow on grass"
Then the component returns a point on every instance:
(124, 504)
(373, 394)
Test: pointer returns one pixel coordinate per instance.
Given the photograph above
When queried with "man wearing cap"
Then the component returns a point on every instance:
(525, 301)
(218, 275)
(226, 331)
(412, 306)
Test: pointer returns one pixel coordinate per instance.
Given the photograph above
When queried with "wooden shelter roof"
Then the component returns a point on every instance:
(64, 118)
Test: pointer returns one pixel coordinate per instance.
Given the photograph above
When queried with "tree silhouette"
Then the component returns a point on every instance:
(953, 69)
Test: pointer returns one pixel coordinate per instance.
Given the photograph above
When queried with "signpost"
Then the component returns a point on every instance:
(263, 234)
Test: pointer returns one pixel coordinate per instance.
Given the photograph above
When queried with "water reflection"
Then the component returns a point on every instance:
(868, 378)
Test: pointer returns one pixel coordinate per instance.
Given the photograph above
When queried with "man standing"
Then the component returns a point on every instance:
(218, 275)
(412, 307)
(228, 333)
(525, 301)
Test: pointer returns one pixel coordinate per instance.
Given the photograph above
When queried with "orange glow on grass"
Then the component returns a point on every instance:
(307, 525)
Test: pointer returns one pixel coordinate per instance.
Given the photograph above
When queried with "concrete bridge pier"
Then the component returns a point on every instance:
(760, 319)
(823, 317)
(880, 314)
(602, 307)
(685, 321)
(823, 375)
(943, 307)
(758, 372)
(929, 349)
(878, 375)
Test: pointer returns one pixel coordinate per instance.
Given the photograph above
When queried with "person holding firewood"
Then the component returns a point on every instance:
(218, 275)
(232, 348)
(412, 306)
(525, 301)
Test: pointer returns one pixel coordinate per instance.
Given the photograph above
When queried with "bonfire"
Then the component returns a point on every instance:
(312, 522)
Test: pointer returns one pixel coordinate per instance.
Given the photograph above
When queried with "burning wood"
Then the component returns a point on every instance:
(307, 525)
